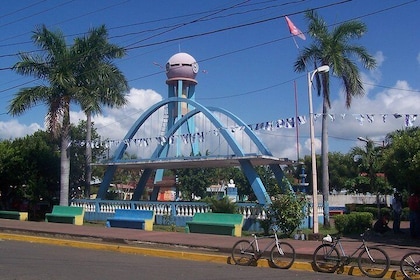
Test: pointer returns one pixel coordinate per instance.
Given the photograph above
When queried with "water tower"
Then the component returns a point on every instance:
(181, 70)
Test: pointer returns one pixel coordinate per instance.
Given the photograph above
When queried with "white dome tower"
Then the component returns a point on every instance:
(181, 70)
(181, 66)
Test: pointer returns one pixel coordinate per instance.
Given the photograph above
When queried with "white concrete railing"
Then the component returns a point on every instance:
(184, 209)
(173, 212)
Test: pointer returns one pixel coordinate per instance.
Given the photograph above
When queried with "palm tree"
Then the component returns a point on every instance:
(371, 162)
(56, 67)
(99, 82)
(335, 50)
(82, 74)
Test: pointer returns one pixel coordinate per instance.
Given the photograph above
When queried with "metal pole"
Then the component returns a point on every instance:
(313, 156)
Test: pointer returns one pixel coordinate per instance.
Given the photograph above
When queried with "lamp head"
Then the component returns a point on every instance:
(362, 139)
(323, 69)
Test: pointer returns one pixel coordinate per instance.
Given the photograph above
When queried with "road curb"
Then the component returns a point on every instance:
(117, 248)
(394, 274)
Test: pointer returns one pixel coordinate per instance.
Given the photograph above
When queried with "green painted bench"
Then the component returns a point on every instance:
(216, 223)
(14, 215)
(132, 218)
(66, 214)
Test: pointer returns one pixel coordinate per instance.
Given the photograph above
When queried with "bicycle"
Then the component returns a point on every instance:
(410, 265)
(372, 261)
(282, 254)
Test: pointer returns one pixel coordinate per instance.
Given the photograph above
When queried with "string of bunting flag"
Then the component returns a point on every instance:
(409, 120)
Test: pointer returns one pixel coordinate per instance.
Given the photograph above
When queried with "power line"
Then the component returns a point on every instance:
(64, 21)
(35, 14)
(21, 9)
(254, 46)
(227, 28)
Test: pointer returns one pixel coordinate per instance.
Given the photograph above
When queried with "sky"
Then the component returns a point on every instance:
(246, 56)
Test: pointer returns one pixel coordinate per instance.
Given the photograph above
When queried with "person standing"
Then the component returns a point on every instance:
(396, 212)
(414, 207)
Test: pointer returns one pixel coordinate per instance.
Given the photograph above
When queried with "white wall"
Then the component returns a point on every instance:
(340, 200)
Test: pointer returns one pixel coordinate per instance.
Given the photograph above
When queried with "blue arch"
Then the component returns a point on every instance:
(277, 171)
(246, 165)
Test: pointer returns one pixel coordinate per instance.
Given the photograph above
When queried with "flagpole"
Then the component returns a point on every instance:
(296, 44)
(295, 32)
(296, 122)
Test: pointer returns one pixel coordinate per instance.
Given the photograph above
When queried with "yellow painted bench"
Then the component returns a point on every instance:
(66, 214)
(132, 218)
(14, 215)
(216, 223)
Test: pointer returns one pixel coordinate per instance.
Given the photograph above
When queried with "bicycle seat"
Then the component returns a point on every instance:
(331, 238)
(327, 238)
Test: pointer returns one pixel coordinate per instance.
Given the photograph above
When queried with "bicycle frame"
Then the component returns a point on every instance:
(372, 262)
(281, 255)
(337, 241)
(257, 247)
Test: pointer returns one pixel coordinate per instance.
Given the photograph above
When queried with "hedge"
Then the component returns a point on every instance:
(355, 222)
(372, 208)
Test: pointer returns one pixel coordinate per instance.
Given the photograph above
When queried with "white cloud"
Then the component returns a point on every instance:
(380, 58)
(398, 99)
(376, 73)
(317, 144)
(13, 129)
(116, 122)
(113, 124)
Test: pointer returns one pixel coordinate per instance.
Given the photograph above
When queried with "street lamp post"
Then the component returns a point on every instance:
(321, 69)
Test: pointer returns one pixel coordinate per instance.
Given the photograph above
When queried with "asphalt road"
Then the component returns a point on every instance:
(33, 261)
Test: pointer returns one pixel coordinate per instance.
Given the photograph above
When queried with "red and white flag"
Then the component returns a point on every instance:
(294, 30)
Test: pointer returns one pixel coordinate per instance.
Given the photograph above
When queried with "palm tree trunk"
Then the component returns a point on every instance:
(88, 154)
(65, 159)
(324, 160)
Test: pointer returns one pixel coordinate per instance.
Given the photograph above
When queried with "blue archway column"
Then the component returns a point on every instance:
(255, 181)
(141, 185)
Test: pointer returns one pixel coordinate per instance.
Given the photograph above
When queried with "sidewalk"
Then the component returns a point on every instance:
(395, 245)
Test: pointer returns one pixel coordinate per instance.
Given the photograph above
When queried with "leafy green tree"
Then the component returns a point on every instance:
(268, 179)
(341, 168)
(99, 82)
(402, 159)
(77, 159)
(287, 211)
(193, 181)
(336, 50)
(29, 168)
(370, 162)
(10, 163)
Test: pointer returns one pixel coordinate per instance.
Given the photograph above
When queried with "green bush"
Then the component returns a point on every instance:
(224, 205)
(368, 208)
(287, 212)
(355, 222)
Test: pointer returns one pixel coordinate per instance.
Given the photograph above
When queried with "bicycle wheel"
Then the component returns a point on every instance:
(410, 265)
(243, 252)
(373, 262)
(326, 258)
(283, 258)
